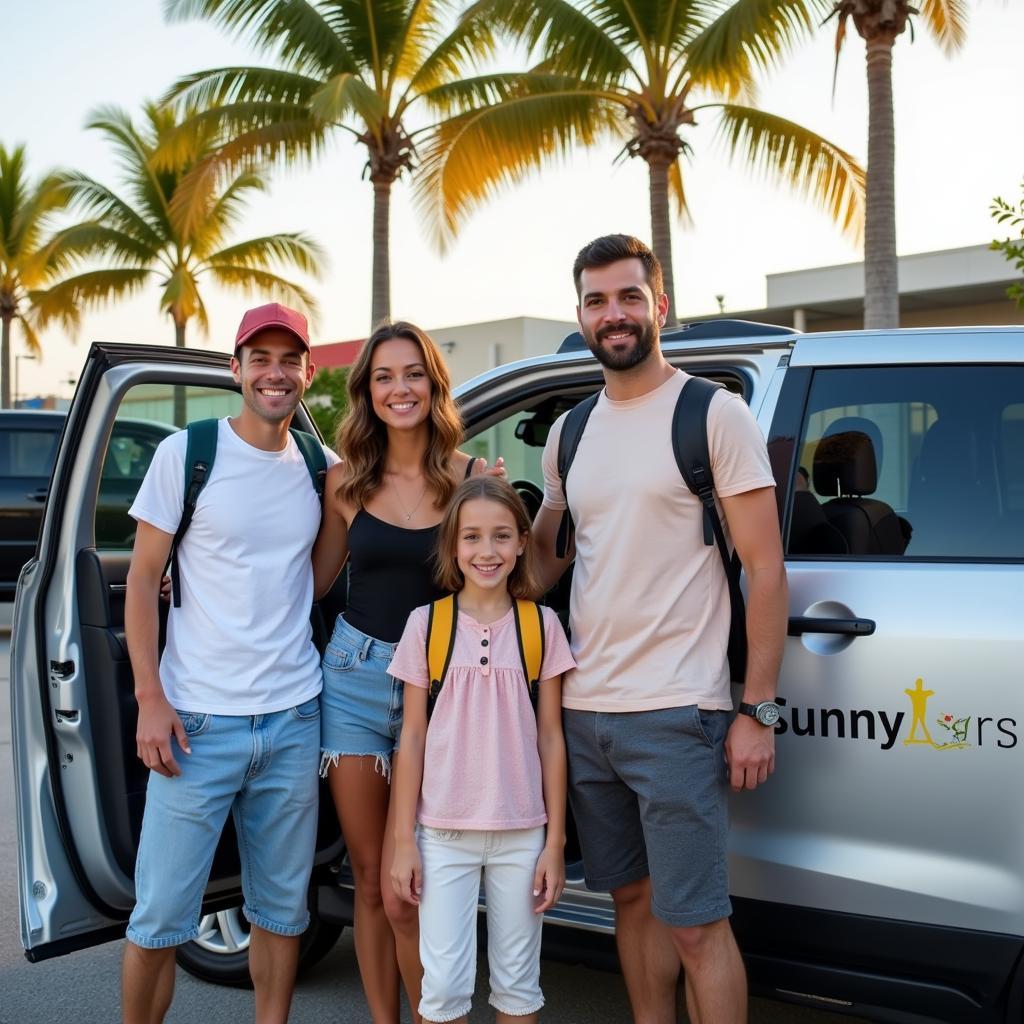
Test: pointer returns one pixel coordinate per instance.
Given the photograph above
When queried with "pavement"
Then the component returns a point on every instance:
(83, 987)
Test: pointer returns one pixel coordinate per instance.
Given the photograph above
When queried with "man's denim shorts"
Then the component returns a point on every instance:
(649, 793)
(262, 769)
(361, 703)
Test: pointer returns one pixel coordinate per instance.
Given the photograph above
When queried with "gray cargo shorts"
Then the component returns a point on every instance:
(648, 790)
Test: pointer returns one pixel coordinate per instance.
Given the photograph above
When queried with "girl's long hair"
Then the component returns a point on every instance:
(362, 437)
(522, 581)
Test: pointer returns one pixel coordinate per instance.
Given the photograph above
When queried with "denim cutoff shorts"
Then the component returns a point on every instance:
(361, 704)
(260, 769)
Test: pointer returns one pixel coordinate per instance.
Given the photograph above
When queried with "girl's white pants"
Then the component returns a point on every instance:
(452, 861)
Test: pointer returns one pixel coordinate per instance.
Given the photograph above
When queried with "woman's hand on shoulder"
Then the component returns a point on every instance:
(480, 468)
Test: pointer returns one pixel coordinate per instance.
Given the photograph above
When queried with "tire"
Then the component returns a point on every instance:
(221, 953)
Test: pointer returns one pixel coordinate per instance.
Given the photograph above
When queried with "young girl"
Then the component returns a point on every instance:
(487, 774)
(382, 508)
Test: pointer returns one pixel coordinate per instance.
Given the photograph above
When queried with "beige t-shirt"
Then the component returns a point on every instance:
(649, 612)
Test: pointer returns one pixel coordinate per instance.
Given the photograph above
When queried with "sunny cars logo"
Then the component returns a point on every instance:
(947, 731)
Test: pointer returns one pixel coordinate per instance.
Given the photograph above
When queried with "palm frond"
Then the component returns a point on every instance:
(947, 20)
(471, 158)
(344, 94)
(572, 40)
(749, 37)
(295, 249)
(64, 301)
(32, 342)
(97, 200)
(481, 91)
(678, 192)
(251, 281)
(223, 212)
(470, 42)
(795, 156)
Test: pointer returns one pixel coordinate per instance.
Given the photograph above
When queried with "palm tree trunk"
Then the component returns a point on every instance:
(881, 285)
(661, 229)
(180, 392)
(5, 363)
(381, 286)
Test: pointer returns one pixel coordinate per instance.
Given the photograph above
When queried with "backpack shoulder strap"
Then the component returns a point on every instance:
(530, 636)
(313, 454)
(568, 441)
(441, 623)
(690, 447)
(200, 451)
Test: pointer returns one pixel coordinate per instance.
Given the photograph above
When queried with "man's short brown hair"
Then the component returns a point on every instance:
(610, 249)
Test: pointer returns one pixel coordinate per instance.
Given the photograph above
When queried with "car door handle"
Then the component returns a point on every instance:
(800, 624)
(39, 495)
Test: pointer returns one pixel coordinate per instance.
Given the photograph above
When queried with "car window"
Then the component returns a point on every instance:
(145, 417)
(914, 462)
(28, 452)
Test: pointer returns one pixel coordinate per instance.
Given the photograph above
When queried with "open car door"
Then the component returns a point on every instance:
(80, 788)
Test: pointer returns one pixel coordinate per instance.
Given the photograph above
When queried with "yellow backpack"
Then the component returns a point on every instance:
(441, 624)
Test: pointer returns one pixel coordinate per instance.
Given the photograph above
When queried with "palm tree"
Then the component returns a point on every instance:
(143, 241)
(879, 22)
(644, 72)
(33, 256)
(358, 68)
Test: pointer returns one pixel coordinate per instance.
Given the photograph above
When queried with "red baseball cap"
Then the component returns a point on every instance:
(273, 314)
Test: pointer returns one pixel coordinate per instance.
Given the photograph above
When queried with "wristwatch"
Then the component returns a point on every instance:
(766, 713)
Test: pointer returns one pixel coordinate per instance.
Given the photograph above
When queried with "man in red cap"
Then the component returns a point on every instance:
(229, 715)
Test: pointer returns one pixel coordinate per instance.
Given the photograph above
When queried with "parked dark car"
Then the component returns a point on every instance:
(28, 447)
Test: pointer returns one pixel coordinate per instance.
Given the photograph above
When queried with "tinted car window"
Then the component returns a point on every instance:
(144, 418)
(28, 452)
(911, 462)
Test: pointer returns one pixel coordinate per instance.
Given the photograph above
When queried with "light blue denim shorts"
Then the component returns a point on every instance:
(361, 704)
(261, 769)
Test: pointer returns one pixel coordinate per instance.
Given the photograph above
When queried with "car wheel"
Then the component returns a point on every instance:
(220, 954)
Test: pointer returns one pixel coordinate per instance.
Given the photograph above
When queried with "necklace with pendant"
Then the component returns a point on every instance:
(401, 504)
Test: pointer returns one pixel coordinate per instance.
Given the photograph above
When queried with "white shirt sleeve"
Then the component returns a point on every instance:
(161, 498)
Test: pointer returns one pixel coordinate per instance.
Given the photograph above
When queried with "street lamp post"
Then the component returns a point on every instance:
(17, 375)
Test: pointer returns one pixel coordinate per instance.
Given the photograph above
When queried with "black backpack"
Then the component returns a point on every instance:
(199, 456)
(690, 446)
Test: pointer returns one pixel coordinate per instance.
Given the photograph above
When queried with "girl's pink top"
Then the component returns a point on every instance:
(481, 767)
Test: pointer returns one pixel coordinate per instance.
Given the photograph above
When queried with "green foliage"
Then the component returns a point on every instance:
(1011, 216)
(327, 399)
(139, 238)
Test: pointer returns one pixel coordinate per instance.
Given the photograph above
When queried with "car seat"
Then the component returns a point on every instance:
(845, 466)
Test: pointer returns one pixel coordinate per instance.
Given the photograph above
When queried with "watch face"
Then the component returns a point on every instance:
(767, 713)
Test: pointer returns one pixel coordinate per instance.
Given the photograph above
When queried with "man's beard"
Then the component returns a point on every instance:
(642, 348)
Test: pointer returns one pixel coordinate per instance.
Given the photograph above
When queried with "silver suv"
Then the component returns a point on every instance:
(881, 870)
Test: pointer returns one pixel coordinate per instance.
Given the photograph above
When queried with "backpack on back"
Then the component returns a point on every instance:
(690, 447)
(200, 453)
(442, 622)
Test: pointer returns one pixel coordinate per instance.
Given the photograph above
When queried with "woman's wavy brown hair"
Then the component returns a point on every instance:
(522, 580)
(362, 437)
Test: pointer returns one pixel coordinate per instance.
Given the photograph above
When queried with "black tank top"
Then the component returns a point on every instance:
(390, 572)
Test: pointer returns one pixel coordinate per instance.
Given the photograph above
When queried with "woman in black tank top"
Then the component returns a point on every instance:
(382, 508)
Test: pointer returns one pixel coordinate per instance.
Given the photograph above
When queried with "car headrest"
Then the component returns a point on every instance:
(865, 426)
(845, 464)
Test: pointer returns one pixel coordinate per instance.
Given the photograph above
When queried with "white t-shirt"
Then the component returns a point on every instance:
(241, 642)
(649, 611)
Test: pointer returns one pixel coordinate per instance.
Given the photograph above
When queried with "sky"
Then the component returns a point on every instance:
(958, 142)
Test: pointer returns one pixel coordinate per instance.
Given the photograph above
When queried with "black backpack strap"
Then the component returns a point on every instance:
(315, 459)
(568, 441)
(690, 447)
(469, 468)
(200, 452)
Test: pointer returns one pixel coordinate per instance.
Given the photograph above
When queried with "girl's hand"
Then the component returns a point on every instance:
(549, 878)
(165, 588)
(407, 872)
